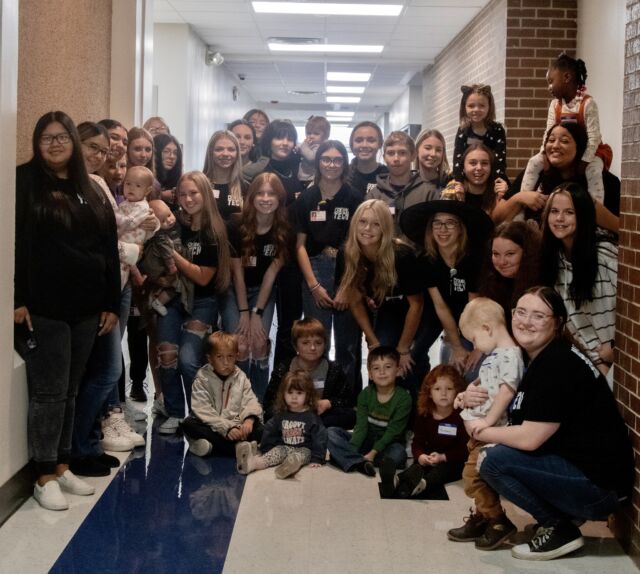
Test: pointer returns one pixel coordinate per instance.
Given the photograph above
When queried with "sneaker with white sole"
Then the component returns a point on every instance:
(118, 422)
(199, 446)
(551, 542)
(170, 426)
(112, 440)
(244, 457)
(70, 483)
(50, 496)
(158, 407)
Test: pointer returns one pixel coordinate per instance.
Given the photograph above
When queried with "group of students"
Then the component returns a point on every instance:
(399, 252)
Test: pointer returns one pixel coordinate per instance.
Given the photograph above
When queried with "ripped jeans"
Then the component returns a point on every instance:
(181, 338)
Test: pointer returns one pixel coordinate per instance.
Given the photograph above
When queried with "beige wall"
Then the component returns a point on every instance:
(64, 62)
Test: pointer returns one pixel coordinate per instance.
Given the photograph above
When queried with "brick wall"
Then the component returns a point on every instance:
(537, 31)
(627, 369)
(508, 45)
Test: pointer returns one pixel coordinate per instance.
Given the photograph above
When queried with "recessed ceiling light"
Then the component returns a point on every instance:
(329, 9)
(354, 48)
(341, 114)
(342, 100)
(345, 89)
(347, 77)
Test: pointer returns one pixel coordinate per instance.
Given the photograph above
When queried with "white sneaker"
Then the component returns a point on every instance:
(112, 440)
(158, 407)
(170, 426)
(117, 421)
(199, 446)
(50, 496)
(70, 483)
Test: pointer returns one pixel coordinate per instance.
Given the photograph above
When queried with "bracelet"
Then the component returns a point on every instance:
(243, 310)
(312, 289)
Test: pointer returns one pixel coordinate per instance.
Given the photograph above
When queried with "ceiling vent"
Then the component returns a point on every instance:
(296, 41)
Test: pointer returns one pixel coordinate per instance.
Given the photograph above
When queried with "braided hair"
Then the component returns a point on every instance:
(576, 67)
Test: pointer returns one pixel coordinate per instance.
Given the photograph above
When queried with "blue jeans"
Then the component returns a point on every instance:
(346, 456)
(180, 350)
(346, 333)
(256, 368)
(545, 485)
(99, 384)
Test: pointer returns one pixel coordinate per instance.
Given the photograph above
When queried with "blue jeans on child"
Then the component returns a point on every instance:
(346, 456)
(256, 368)
(180, 350)
(545, 485)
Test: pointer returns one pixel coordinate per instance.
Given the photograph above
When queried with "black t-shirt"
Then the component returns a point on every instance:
(203, 252)
(287, 171)
(227, 205)
(325, 223)
(562, 386)
(454, 284)
(362, 182)
(263, 256)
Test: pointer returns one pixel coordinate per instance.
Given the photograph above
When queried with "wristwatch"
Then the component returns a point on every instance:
(257, 311)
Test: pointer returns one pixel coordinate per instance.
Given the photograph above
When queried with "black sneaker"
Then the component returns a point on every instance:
(137, 393)
(474, 527)
(366, 467)
(498, 530)
(108, 460)
(388, 479)
(88, 466)
(409, 480)
(550, 542)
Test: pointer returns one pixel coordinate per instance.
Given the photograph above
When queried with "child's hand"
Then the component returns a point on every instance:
(171, 267)
(322, 406)
(436, 458)
(474, 427)
(370, 455)
(235, 434)
(423, 460)
(314, 465)
(458, 402)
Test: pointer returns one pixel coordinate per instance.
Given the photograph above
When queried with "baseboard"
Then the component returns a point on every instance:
(15, 492)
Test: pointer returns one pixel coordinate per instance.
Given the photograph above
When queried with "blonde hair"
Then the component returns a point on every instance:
(399, 138)
(235, 177)
(384, 266)
(212, 226)
(431, 247)
(481, 311)
(144, 172)
(221, 341)
(443, 169)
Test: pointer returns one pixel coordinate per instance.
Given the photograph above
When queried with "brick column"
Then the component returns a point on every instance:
(537, 31)
(627, 365)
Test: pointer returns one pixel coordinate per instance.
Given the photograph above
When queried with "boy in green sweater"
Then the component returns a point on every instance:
(381, 420)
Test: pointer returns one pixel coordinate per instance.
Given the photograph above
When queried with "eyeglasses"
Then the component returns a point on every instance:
(326, 161)
(536, 317)
(62, 138)
(449, 224)
(170, 152)
(95, 149)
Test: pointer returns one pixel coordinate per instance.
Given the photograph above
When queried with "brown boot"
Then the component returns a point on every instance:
(497, 532)
(473, 527)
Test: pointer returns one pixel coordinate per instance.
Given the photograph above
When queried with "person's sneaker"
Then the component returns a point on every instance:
(473, 527)
(137, 393)
(158, 407)
(244, 457)
(70, 483)
(50, 496)
(254, 447)
(108, 460)
(388, 478)
(550, 542)
(170, 426)
(89, 466)
(289, 466)
(366, 467)
(498, 531)
(118, 422)
(199, 446)
(112, 440)
(411, 482)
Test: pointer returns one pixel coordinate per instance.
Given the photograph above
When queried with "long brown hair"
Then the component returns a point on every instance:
(297, 381)
(425, 404)
(137, 134)
(249, 225)
(212, 227)
(431, 247)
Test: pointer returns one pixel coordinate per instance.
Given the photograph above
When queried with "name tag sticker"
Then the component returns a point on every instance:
(392, 209)
(318, 216)
(216, 193)
(447, 429)
(253, 261)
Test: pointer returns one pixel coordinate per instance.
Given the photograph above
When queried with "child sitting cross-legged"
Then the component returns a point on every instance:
(381, 420)
(295, 436)
(224, 409)
(483, 323)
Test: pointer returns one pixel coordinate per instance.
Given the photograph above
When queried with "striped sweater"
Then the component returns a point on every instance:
(595, 322)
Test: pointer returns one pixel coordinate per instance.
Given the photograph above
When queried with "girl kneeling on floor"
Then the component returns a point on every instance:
(295, 436)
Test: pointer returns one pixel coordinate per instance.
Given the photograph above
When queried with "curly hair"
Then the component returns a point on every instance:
(296, 381)
(576, 67)
(425, 404)
(355, 262)
(249, 226)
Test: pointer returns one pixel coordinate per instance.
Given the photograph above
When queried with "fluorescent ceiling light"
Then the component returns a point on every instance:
(333, 9)
(341, 114)
(345, 89)
(342, 100)
(347, 77)
(355, 48)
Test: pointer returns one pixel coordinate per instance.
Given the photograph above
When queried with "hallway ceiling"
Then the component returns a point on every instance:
(277, 81)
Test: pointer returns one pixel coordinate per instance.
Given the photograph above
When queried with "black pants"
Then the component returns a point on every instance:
(194, 428)
(289, 309)
(339, 417)
(138, 350)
